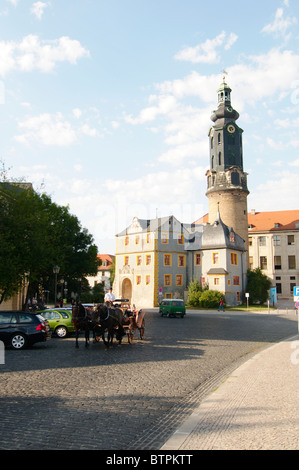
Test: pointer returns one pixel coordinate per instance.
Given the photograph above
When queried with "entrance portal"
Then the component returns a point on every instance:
(126, 289)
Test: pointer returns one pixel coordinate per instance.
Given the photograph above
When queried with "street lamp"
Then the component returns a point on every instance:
(56, 270)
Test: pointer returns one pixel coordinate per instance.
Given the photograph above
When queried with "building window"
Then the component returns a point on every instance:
(197, 259)
(139, 258)
(216, 281)
(148, 260)
(234, 258)
(167, 280)
(137, 239)
(250, 240)
(180, 239)
(278, 288)
(168, 296)
(291, 240)
(277, 262)
(262, 241)
(147, 279)
(126, 241)
(167, 260)
(138, 280)
(148, 238)
(179, 280)
(164, 238)
(263, 262)
(126, 260)
(181, 261)
(215, 258)
(250, 262)
(238, 296)
(292, 285)
(276, 240)
(236, 280)
(292, 262)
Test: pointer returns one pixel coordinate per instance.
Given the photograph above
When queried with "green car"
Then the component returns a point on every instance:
(60, 321)
(172, 307)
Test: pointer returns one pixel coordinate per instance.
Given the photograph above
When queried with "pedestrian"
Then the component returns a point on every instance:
(109, 297)
(221, 305)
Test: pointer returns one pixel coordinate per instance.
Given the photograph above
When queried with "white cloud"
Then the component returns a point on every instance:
(277, 192)
(33, 54)
(280, 24)
(207, 51)
(87, 130)
(38, 8)
(47, 129)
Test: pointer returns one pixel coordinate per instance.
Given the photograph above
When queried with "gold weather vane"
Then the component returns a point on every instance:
(224, 73)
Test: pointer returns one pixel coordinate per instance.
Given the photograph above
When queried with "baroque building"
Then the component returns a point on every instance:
(158, 258)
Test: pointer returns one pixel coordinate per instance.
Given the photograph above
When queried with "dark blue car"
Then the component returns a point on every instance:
(21, 329)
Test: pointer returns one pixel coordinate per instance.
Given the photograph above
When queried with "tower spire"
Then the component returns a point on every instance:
(226, 180)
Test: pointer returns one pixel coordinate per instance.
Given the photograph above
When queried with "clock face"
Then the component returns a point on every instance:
(231, 129)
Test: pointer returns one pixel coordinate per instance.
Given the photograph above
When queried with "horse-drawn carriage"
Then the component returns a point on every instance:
(133, 318)
(106, 321)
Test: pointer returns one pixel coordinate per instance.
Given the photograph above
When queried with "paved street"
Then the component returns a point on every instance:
(53, 396)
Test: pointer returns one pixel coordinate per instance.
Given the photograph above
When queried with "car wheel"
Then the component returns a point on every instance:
(18, 341)
(61, 331)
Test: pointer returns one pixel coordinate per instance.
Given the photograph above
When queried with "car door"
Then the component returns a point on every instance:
(8, 322)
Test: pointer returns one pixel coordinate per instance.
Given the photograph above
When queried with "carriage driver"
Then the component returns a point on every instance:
(109, 297)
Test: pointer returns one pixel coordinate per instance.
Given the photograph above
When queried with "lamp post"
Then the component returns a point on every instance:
(56, 270)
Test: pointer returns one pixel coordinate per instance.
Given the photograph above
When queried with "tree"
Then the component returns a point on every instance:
(258, 286)
(35, 235)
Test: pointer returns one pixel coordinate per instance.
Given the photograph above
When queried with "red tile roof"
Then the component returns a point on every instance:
(108, 258)
(273, 221)
(267, 221)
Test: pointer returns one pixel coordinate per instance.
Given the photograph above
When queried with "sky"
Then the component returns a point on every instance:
(105, 105)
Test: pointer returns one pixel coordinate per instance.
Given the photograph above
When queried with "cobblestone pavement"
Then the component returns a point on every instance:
(53, 396)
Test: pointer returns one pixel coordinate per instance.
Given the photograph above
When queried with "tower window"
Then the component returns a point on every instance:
(235, 178)
(219, 138)
(219, 158)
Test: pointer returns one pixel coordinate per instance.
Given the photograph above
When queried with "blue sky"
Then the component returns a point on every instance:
(107, 104)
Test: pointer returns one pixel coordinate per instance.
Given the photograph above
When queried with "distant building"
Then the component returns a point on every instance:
(104, 274)
(274, 247)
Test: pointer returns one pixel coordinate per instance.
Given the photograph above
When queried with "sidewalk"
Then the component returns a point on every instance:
(256, 408)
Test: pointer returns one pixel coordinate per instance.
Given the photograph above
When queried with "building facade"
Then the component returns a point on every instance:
(274, 247)
(104, 274)
(158, 258)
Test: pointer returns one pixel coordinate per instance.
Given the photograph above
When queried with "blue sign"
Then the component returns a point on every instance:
(273, 295)
(296, 291)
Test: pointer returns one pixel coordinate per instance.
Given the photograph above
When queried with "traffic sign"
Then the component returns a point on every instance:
(297, 304)
(296, 294)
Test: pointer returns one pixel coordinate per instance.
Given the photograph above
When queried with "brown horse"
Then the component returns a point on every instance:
(81, 317)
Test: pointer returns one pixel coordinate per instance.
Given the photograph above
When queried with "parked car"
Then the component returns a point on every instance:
(21, 329)
(172, 307)
(60, 321)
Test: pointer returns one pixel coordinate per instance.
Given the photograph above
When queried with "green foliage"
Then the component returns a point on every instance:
(258, 286)
(200, 296)
(35, 235)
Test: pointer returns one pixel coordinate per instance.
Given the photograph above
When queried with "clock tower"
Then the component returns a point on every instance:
(226, 180)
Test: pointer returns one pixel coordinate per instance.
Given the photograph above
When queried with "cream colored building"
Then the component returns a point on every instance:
(274, 247)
